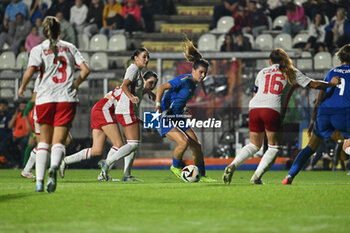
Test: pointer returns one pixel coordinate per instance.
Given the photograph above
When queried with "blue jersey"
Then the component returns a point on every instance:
(337, 99)
(179, 95)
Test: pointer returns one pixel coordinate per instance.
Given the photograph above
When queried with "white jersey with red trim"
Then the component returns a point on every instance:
(56, 83)
(274, 91)
(123, 104)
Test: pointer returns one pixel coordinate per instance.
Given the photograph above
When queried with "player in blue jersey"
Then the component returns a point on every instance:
(332, 112)
(173, 104)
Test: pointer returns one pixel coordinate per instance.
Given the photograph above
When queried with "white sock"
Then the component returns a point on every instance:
(31, 161)
(79, 156)
(245, 153)
(41, 161)
(123, 151)
(57, 152)
(128, 162)
(267, 161)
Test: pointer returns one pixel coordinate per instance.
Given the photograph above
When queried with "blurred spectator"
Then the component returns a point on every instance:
(20, 130)
(33, 39)
(227, 46)
(331, 7)
(338, 31)
(276, 8)
(111, 18)
(38, 9)
(17, 33)
(296, 19)
(15, 7)
(93, 21)
(149, 8)
(241, 43)
(5, 132)
(317, 34)
(167, 7)
(78, 15)
(241, 20)
(132, 16)
(257, 20)
(226, 8)
(312, 7)
(62, 6)
(67, 31)
(39, 25)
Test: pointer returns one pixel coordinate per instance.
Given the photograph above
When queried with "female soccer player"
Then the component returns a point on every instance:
(103, 123)
(56, 97)
(331, 113)
(180, 91)
(129, 97)
(273, 87)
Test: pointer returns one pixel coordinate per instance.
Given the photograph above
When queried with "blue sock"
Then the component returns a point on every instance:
(300, 161)
(201, 168)
(177, 162)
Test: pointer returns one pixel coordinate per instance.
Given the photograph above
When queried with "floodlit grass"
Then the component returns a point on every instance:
(316, 202)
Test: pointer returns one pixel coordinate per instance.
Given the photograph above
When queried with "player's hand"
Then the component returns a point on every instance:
(21, 90)
(309, 130)
(158, 109)
(335, 80)
(134, 99)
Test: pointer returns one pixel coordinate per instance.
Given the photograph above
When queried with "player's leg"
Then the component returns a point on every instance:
(29, 148)
(269, 156)
(182, 142)
(26, 172)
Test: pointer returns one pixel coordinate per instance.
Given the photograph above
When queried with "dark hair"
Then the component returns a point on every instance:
(279, 56)
(138, 52)
(51, 29)
(193, 55)
(149, 74)
(344, 54)
(291, 6)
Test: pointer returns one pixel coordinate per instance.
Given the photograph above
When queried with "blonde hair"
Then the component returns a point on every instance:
(51, 30)
(193, 55)
(279, 56)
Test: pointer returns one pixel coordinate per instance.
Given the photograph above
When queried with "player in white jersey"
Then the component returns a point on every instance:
(56, 96)
(273, 87)
(127, 111)
(104, 124)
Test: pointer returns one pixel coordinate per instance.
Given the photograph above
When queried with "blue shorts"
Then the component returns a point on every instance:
(327, 123)
(166, 125)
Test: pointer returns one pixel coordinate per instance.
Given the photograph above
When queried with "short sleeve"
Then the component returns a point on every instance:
(301, 78)
(35, 58)
(175, 83)
(131, 73)
(77, 56)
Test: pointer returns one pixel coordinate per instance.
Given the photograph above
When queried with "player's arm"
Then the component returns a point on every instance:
(85, 71)
(160, 92)
(314, 114)
(324, 85)
(26, 79)
(125, 87)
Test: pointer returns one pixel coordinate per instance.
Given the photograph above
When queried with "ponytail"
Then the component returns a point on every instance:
(193, 55)
(51, 29)
(279, 56)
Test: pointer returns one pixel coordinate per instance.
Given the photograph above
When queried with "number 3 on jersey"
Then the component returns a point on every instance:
(273, 85)
(61, 69)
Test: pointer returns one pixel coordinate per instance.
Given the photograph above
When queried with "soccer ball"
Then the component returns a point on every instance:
(190, 174)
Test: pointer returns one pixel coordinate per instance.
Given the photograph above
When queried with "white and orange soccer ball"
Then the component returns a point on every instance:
(190, 174)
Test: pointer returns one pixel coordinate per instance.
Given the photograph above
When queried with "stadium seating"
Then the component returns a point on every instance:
(299, 2)
(279, 21)
(83, 41)
(283, 41)
(262, 63)
(117, 43)
(98, 42)
(300, 38)
(99, 61)
(7, 93)
(269, 21)
(224, 24)
(220, 41)
(86, 57)
(22, 60)
(335, 61)
(7, 60)
(264, 42)
(322, 61)
(207, 42)
(250, 37)
(305, 62)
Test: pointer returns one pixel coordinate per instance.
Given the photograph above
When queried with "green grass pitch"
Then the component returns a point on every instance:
(316, 202)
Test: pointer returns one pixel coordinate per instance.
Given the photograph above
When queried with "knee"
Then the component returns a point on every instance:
(183, 142)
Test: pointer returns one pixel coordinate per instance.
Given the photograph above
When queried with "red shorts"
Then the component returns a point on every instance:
(127, 119)
(102, 114)
(264, 118)
(56, 114)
